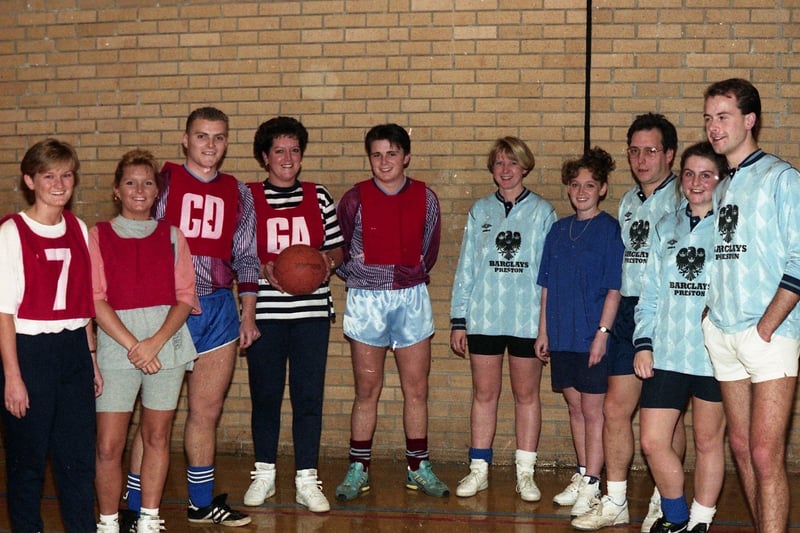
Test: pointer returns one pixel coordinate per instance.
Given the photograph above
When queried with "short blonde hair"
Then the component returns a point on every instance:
(513, 147)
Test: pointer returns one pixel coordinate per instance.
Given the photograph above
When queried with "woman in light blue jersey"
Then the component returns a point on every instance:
(494, 309)
(670, 354)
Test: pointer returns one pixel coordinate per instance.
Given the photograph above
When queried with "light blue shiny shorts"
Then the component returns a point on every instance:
(394, 318)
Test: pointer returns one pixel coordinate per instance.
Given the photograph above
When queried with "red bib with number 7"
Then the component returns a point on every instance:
(58, 276)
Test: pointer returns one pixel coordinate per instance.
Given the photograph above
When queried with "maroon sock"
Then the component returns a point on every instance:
(416, 452)
(361, 451)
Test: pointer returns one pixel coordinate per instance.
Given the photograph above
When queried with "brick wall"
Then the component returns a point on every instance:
(457, 74)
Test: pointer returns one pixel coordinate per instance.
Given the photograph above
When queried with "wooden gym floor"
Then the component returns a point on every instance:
(389, 507)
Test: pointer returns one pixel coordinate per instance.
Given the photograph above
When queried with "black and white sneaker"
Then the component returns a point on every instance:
(217, 512)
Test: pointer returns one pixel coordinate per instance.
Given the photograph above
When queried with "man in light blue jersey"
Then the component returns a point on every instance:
(652, 144)
(752, 331)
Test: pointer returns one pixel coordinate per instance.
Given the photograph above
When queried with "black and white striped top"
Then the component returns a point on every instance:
(275, 305)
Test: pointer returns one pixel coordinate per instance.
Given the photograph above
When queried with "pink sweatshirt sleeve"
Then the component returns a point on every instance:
(184, 273)
(99, 284)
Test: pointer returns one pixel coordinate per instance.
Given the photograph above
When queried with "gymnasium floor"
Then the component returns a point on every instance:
(390, 508)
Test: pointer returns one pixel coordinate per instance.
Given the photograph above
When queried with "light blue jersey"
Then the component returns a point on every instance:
(756, 244)
(495, 290)
(673, 297)
(637, 216)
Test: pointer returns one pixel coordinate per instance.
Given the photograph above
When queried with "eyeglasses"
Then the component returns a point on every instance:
(649, 152)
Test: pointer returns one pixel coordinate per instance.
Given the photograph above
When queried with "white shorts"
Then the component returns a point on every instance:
(745, 354)
(394, 318)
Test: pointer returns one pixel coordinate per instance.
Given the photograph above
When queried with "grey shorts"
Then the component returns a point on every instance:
(160, 391)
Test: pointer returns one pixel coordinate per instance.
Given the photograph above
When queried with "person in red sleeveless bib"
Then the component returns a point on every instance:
(50, 376)
(294, 329)
(392, 227)
(216, 215)
(144, 289)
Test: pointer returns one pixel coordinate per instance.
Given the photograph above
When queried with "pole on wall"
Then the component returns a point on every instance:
(587, 86)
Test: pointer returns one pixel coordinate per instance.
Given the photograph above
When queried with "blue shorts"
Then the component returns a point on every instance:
(572, 370)
(394, 318)
(672, 390)
(620, 345)
(218, 324)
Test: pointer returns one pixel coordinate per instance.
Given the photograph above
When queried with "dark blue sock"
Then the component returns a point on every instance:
(134, 496)
(675, 510)
(481, 453)
(201, 485)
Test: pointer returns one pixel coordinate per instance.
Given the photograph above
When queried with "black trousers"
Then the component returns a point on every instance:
(304, 344)
(57, 371)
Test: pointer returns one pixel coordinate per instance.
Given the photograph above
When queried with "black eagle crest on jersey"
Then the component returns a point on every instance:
(508, 243)
(690, 261)
(639, 232)
(728, 220)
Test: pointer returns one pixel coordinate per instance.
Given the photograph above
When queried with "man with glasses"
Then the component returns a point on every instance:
(652, 144)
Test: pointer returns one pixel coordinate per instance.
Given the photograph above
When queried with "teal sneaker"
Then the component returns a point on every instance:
(355, 482)
(425, 480)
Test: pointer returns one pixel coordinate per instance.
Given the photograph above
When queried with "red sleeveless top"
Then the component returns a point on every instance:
(139, 272)
(58, 273)
(393, 226)
(277, 229)
(205, 212)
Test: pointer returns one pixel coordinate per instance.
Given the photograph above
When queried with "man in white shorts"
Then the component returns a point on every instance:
(752, 330)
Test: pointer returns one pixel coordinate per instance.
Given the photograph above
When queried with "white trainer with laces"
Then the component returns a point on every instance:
(476, 481)
(263, 485)
(604, 513)
(569, 495)
(527, 488)
(587, 493)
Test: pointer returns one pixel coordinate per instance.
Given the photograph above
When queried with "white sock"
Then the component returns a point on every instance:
(525, 457)
(109, 518)
(700, 514)
(149, 512)
(617, 491)
(582, 470)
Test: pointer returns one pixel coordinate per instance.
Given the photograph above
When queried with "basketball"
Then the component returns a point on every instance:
(300, 269)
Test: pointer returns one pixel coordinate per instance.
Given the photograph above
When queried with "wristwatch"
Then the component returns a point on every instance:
(603, 329)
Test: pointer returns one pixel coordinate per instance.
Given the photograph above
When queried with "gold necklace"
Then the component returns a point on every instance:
(573, 239)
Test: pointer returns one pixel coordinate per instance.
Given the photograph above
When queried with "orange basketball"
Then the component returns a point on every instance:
(300, 269)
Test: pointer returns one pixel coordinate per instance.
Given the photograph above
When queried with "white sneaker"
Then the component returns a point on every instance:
(108, 527)
(263, 485)
(569, 495)
(149, 524)
(604, 513)
(309, 491)
(476, 481)
(526, 487)
(587, 493)
(653, 512)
